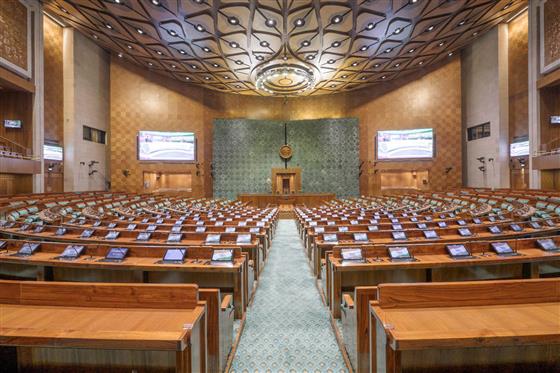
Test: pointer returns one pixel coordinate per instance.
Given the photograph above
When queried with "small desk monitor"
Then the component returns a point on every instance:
(398, 235)
(547, 244)
(151, 228)
(399, 253)
(516, 227)
(177, 229)
(39, 229)
(535, 225)
(430, 234)
(111, 225)
(414, 219)
(550, 223)
(255, 230)
(461, 222)
(502, 248)
(464, 232)
(222, 255)
(428, 218)
(243, 239)
(159, 221)
(174, 256)
(330, 237)
(343, 229)
(143, 236)
(213, 239)
(361, 237)
(422, 226)
(28, 248)
(96, 223)
(395, 221)
(87, 233)
(72, 252)
(396, 227)
(494, 229)
(131, 227)
(492, 219)
(477, 221)
(116, 254)
(174, 237)
(112, 235)
(199, 229)
(457, 251)
(373, 228)
(442, 224)
(352, 254)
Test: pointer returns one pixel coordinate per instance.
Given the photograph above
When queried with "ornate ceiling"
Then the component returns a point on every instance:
(222, 44)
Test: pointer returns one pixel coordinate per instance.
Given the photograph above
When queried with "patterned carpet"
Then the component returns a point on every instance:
(287, 328)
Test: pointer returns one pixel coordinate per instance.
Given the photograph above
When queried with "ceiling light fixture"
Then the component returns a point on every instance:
(376, 65)
(120, 55)
(364, 48)
(215, 65)
(370, 26)
(234, 44)
(335, 44)
(270, 22)
(159, 52)
(155, 2)
(239, 62)
(187, 78)
(259, 57)
(413, 1)
(173, 66)
(354, 64)
(63, 10)
(264, 44)
(397, 64)
(129, 46)
(383, 77)
(441, 44)
(344, 76)
(95, 36)
(388, 50)
(109, 26)
(194, 67)
(421, 63)
(462, 22)
(450, 54)
(411, 50)
(182, 51)
(305, 43)
(207, 77)
(299, 22)
(285, 79)
(226, 77)
(397, 31)
(140, 31)
(475, 33)
(430, 28)
(199, 28)
(310, 57)
(172, 32)
(363, 78)
(150, 64)
(233, 20)
(207, 50)
(336, 19)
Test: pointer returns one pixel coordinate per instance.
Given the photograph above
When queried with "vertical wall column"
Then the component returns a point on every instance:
(38, 99)
(86, 103)
(534, 124)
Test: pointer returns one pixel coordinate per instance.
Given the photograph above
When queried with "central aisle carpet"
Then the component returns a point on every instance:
(287, 328)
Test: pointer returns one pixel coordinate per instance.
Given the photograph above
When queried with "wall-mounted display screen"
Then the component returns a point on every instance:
(519, 149)
(405, 144)
(555, 119)
(12, 123)
(52, 152)
(166, 146)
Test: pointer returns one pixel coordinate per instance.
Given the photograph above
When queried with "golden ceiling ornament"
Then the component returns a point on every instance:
(286, 152)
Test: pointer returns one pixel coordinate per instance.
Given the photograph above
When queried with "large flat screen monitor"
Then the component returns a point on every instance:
(52, 152)
(405, 144)
(166, 146)
(519, 149)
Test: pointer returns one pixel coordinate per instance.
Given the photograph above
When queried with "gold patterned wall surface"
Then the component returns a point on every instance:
(551, 26)
(518, 76)
(141, 100)
(13, 33)
(53, 83)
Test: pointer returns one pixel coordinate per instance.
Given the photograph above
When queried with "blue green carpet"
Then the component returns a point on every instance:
(287, 328)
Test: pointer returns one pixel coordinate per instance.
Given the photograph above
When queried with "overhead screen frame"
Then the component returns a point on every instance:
(45, 146)
(414, 159)
(193, 161)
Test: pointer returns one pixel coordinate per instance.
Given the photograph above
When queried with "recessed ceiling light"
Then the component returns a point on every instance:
(207, 77)
(173, 66)
(506, 6)
(305, 43)
(156, 2)
(194, 67)
(234, 44)
(215, 65)
(364, 48)
(206, 49)
(411, 50)
(129, 46)
(172, 32)
(462, 22)
(397, 30)
(441, 44)
(413, 1)
(475, 33)
(270, 22)
(182, 51)
(233, 20)
(310, 57)
(335, 44)
(63, 10)
(363, 78)
(336, 19)
(198, 1)
(331, 61)
(120, 55)
(264, 44)
(376, 65)
(239, 62)
(450, 54)
(187, 78)
(430, 28)
(285, 58)
(421, 63)
(95, 36)
(199, 28)
(354, 64)
(299, 22)
(159, 52)
(344, 76)
(140, 31)
(333, 85)
(226, 77)
(383, 77)
(260, 58)
(388, 50)
(397, 64)
(370, 26)
(109, 26)
(238, 86)
(150, 64)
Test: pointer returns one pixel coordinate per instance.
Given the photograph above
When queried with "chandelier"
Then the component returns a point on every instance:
(285, 79)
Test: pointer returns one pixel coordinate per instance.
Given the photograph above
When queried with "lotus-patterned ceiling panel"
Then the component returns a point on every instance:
(228, 45)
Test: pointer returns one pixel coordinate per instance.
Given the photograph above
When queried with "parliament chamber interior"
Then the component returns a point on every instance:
(280, 186)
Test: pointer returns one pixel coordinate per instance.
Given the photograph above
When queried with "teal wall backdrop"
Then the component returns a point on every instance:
(245, 151)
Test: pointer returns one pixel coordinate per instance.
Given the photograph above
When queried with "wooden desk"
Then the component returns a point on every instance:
(70, 327)
(265, 199)
(467, 327)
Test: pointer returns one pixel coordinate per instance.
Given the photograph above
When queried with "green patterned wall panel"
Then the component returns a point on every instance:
(245, 151)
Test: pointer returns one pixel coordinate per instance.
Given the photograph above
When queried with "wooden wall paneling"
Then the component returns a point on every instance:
(53, 81)
(518, 76)
(17, 105)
